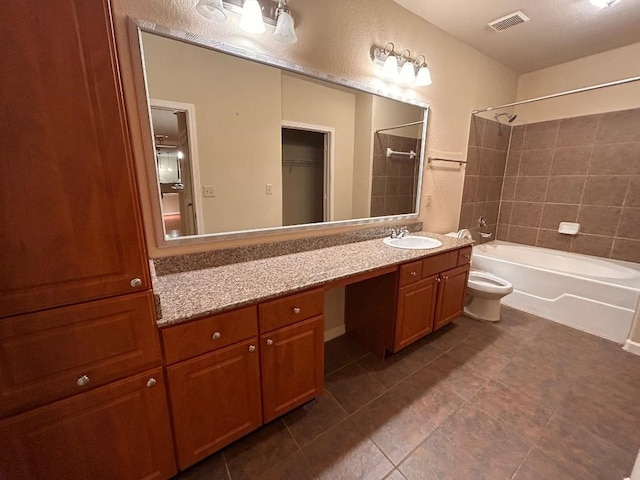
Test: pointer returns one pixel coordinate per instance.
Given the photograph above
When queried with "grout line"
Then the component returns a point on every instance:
(521, 463)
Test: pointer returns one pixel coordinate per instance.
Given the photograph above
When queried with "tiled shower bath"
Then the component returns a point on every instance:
(581, 169)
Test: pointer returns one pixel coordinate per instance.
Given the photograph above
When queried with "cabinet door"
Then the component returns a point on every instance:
(68, 206)
(453, 287)
(416, 308)
(292, 366)
(119, 431)
(215, 399)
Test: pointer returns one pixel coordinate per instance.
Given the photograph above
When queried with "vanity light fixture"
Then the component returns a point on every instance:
(251, 19)
(401, 68)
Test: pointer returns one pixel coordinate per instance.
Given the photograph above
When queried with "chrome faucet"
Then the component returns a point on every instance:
(483, 228)
(399, 232)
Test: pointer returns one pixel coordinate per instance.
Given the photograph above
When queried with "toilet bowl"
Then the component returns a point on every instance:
(486, 291)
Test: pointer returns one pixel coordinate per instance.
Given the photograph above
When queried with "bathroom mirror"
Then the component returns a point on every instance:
(246, 145)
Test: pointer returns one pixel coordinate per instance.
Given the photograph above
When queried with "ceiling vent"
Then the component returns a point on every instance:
(508, 21)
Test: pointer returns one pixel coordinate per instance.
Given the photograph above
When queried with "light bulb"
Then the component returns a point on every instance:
(211, 9)
(251, 20)
(407, 73)
(423, 78)
(285, 30)
(390, 67)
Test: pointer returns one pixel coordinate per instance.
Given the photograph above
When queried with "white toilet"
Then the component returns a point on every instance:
(485, 289)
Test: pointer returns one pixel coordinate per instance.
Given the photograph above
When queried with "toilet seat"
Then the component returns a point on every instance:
(489, 283)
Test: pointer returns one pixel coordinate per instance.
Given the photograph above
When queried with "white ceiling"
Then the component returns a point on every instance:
(559, 30)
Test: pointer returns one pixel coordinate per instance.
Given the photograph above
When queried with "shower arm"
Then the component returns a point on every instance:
(561, 94)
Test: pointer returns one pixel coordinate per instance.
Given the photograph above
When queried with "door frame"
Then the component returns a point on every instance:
(329, 155)
(190, 110)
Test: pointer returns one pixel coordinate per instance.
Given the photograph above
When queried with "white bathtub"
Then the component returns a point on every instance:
(591, 294)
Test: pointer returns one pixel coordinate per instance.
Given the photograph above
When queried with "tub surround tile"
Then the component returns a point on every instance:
(496, 135)
(595, 171)
(577, 131)
(469, 189)
(571, 160)
(619, 127)
(473, 161)
(616, 159)
(504, 216)
(466, 214)
(476, 132)
(517, 137)
(554, 213)
(536, 163)
(553, 239)
(525, 235)
(629, 224)
(605, 190)
(592, 245)
(541, 135)
(531, 189)
(597, 220)
(526, 214)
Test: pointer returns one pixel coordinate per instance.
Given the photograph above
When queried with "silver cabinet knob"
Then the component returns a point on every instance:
(136, 282)
(467, 256)
(269, 341)
(82, 381)
(413, 274)
(216, 335)
(252, 348)
(445, 277)
(296, 310)
(151, 382)
(438, 279)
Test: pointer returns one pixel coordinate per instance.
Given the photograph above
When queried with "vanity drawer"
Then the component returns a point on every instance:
(410, 272)
(439, 263)
(464, 255)
(207, 334)
(291, 309)
(55, 353)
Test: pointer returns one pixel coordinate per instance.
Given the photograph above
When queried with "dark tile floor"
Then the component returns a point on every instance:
(522, 399)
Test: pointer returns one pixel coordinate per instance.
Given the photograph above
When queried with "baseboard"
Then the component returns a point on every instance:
(334, 332)
(629, 346)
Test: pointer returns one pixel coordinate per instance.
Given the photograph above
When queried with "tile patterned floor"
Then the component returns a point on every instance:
(523, 399)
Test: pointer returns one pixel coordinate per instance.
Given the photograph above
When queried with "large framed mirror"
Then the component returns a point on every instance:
(245, 144)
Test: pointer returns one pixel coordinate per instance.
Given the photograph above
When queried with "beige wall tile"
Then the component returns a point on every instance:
(541, 135)
(555, 240)
(565, 189)
(624, 249)
(599, 220)
(577, 131)
(536, 163)
(571, 160)
(531, 189)
(554, 213)
(592, 245)
(525, 235)
(605, 190)
(616, 159)
(618, 127)
(526, 214)
(629, 224)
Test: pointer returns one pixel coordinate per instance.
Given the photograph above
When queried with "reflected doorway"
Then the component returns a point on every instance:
(173, 130)
(304, 175)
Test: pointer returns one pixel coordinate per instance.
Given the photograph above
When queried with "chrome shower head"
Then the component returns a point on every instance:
(510, 118)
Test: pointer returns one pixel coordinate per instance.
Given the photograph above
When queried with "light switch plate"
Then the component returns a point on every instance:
(269, 189)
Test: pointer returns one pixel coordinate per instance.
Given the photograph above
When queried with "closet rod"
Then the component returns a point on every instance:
(401, 126)
(561, 94)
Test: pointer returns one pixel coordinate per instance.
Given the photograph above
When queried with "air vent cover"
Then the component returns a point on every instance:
(508, 21)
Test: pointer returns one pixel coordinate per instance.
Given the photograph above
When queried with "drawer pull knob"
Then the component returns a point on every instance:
(466, 255)
(438, 279)
(151, 382)
(216, 335)
(296, 310)
(445, 277)
(252, 348)
(269, 341)
(82, 381)
(136, 282)
(413, 274)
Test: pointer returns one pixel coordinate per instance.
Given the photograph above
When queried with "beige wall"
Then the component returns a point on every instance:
(336, 37)
(315, 104)
(605, 67)
(237, 109)
(362, 156)
(388, 113)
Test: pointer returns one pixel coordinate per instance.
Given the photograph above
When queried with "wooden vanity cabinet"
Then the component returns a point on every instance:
(291, 351)
(214, 382)
(116, 432)
(431, 294)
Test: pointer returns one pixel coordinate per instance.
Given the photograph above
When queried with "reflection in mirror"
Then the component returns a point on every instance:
(274, 148)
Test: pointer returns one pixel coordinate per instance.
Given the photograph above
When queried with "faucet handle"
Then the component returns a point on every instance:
(394, 233)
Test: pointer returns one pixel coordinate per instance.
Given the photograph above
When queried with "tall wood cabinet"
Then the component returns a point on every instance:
(81, 391)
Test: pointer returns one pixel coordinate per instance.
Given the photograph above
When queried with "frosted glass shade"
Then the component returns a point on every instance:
(251, 19)
(424, 77)
(407, 73)
(390, 67)
(285, 30)
(211, 9)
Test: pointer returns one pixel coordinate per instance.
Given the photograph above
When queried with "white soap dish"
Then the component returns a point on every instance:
(568, 228)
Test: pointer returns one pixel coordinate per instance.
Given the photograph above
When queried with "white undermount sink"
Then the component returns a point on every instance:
(413, 242)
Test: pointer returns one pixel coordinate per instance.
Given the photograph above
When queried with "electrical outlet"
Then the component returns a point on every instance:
(428, 200)
(269, 189)
(208, 191)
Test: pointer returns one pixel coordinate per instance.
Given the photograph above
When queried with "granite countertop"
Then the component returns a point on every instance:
(187, 295)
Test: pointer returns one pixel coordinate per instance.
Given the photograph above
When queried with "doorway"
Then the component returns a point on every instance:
(173, 131)
(304, 176)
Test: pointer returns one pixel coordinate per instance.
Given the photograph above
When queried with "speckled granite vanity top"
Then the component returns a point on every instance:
(197, 293)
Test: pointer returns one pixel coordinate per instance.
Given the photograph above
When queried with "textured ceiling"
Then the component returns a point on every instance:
(559, 30)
